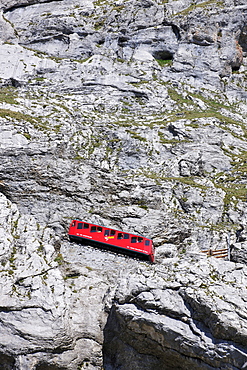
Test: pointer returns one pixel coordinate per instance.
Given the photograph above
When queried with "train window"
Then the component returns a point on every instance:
(133, 239)
(147, 242)
(86, 226)
(99, 229)
(79, 225)
(93, 229)
(73, 223)
(139, 240)
(109, 232)
(126, 236)
(120, 235)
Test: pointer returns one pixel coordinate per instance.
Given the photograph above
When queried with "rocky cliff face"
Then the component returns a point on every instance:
(130, 114)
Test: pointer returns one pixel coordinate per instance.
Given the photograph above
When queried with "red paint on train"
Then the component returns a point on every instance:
(92, 234)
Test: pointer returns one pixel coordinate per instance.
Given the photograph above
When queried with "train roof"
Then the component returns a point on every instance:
(107, 227)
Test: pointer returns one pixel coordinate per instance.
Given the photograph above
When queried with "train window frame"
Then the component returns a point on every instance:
(107, 232)
(126, 236)
(80, 225)
(85, 226)
(93, 229)
(112, 232)
(133, 239)
(120, 236)
(99, 229)
(147, 243)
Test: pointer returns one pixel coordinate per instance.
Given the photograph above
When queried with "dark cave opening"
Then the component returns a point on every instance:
(162, 55)
(6, 362)
(235, 68)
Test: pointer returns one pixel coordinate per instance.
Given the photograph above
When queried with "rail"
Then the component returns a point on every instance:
(218, 253)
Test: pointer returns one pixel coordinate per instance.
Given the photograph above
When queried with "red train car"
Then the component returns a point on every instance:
(105, 237)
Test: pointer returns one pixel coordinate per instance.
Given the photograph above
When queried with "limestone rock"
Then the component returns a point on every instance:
(129, 114)
(154, 320)
(238, 252)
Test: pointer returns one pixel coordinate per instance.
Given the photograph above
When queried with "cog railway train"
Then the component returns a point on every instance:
(116, 240)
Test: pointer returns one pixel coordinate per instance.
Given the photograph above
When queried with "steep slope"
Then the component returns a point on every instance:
(130, 114)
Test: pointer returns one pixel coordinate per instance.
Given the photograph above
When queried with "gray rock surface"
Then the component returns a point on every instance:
(178, 316)
(130, 114)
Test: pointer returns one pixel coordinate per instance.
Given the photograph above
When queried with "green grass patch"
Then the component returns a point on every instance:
(213, 113)
(118, 8)
(18, 116)
(136, 136)
(174, 95)
(190, 181)
(159, 178)
(213, 103)
(8, 95)
(230, 182)
(7, 113)
(205, 4)
(234, 194)
(59, 259)
(164, 62)
(99, 24)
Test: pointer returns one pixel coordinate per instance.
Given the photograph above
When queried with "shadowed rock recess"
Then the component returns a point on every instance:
(129, 114)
